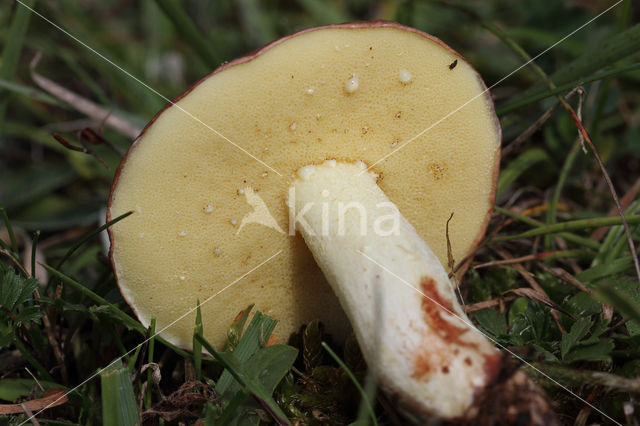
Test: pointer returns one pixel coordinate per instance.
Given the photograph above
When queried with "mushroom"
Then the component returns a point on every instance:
(298, 130)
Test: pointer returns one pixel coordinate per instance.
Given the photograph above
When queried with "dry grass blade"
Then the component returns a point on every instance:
(499, 301)
(85, 106)
(567, 277)
(527, 258)
(541, 297)
(50, 398)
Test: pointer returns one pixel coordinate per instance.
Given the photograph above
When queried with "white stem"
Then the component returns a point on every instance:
(412, 332)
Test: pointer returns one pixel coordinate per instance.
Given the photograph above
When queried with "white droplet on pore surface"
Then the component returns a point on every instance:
(331, 163)
(293, 126)
(138, 209)
(233, 222)
(361, 165)
(264, 175)
(217, 251)
(394, 143)
(352, 84)
(310, 91)
(182, 234)
(208, 208)
(181, 277)
(325, 193)
(318, 116)
(240, 191)
(306, 172)
(405, 77)
(337, 48)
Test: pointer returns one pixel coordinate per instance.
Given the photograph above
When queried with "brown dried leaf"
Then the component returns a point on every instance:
(50, 398)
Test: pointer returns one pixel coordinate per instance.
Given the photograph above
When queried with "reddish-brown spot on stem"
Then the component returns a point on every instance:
(433, 306)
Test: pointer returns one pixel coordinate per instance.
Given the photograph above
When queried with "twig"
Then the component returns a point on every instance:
(530, 257)
(538, 123)
(82, 104)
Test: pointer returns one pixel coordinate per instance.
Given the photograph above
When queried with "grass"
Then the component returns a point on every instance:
(553, 198)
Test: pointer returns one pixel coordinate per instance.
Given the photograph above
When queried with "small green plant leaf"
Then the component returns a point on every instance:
(492, 321)
(15, 290)
(578, 331)
(600, 351)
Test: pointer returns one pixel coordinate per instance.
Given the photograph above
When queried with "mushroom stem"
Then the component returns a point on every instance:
(413, 333)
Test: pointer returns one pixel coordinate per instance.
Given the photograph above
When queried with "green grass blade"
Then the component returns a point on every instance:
(365, 397)
(572, 225)
(152, 341)
(520, 102)
(618, 299)
(594, 58)
(31, 92)
(197, 347)
(577, 239)
(34, 246)
(519, 165)
(90, 235)
(11, 389)
(118, 401)
(7, 224)
(614, 267)
(324, 12)
(185, 26)
(555, 198)
(126, 319)
(31, 360)
(12, 50)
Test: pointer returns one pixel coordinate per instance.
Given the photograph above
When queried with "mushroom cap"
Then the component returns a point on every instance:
(351, 92)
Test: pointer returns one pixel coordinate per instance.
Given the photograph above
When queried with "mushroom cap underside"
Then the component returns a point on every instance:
(231, 144)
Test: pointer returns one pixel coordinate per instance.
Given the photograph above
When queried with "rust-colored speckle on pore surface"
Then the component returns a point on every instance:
(437, 171)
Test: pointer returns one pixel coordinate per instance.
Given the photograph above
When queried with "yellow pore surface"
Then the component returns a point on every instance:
(348, 94)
